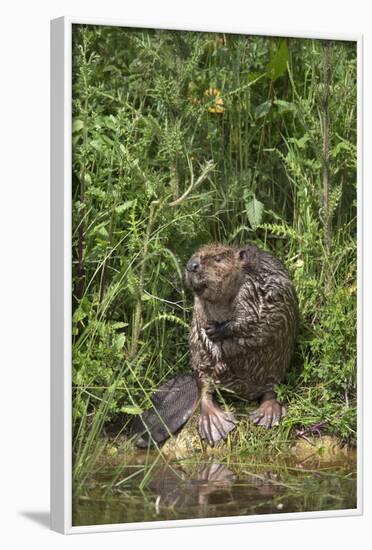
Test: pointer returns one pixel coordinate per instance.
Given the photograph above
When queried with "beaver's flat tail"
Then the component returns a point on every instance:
(173, 404)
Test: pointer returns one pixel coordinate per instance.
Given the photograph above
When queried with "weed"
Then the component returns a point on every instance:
(182, 138)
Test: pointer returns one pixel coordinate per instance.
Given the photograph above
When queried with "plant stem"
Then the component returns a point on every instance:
(141, 285)
(325, 153)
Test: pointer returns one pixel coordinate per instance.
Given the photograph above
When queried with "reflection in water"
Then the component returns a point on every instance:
(173, 489)
(150, 492)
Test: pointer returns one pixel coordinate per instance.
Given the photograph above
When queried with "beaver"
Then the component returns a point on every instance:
(242, 338)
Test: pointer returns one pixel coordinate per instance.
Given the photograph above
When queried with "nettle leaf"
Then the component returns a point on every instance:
(254, 210)
(131, 409)
(101, 231)
(262, 109)
(124, 206)
(284, 106)
(120, 341)
(277, 66)
(95, 192)
(339, 147)
(118, 324)
(300, 142)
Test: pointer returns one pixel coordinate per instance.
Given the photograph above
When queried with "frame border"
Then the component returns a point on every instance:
(60, 206)
(61, 276)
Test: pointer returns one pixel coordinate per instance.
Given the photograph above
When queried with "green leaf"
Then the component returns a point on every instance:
(277, 66)
(300, 142)
(101, 231)
(120, 341)
(341, 146)
(87, 179)
(111, 68)
(124, 206)
(77, 125)
(254, 210)
(95, 192)
(78, 316)
(284, 106)
(254, 75)
(262, 109)
(82, 311)
(118, 324)
(131, 409)
(107, 140)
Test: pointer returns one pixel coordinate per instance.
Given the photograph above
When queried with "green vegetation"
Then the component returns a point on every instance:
(183, 138)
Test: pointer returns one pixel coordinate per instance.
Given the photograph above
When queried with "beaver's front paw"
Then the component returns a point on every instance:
(217, 331)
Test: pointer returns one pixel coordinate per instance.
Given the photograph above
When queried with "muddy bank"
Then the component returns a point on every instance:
(257, 441)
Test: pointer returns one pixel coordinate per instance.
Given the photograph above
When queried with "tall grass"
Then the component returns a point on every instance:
(185, 138)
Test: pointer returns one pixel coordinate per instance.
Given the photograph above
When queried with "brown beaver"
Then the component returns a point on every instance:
(243, 331)
(242, 337)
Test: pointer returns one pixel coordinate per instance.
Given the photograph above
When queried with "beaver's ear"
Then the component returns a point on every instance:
(248, 254)
(242, 254)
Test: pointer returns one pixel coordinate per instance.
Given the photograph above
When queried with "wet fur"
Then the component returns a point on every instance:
(249, 294)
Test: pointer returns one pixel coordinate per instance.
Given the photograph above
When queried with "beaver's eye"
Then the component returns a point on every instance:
(218, 258)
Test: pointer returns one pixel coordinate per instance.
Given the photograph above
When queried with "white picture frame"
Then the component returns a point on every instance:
(61, 377)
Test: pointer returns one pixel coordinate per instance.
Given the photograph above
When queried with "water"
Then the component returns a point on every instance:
(148, 489)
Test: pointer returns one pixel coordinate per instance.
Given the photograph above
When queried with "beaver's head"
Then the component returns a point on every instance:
(216, 272)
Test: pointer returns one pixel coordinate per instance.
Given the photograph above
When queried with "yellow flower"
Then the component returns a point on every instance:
(215, 95)
(212, 92)
(299, 263)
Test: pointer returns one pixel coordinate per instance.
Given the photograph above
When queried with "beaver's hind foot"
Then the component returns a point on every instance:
(269, 413)
(214, 423)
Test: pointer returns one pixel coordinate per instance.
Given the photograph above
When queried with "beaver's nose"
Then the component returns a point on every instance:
(193, 265)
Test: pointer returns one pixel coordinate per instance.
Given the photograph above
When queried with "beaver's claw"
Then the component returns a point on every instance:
(215, 425)
(217, 331)
(268, 414)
